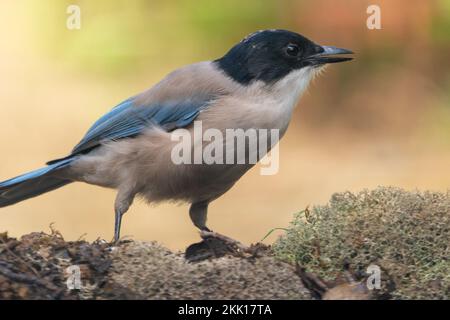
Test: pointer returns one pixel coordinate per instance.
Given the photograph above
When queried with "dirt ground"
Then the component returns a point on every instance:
(40, 266)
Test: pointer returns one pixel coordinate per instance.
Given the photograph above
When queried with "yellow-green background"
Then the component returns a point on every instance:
(383, 119)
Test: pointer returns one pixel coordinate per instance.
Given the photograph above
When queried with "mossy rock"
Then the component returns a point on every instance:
(407, 234)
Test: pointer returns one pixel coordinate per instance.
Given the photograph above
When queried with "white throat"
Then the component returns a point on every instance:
(289, 89)
(273, 104)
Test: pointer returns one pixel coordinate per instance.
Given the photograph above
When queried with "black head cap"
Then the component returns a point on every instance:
(269, 55)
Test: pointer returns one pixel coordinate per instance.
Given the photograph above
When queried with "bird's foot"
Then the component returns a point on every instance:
(117, 241)
(216, 245)
(234, 244)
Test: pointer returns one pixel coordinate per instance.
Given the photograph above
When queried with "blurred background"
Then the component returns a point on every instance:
(383, 119)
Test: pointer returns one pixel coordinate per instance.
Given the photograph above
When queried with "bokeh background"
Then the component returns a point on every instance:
(383, 119)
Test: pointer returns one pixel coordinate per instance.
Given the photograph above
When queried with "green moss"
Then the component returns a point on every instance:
(407, 234)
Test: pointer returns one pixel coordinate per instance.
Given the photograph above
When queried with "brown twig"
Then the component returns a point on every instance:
(8, 250)
(24, 278)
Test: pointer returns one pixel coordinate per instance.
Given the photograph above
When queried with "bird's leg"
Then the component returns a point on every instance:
(198, 212)
(121, 205)
(117, 224)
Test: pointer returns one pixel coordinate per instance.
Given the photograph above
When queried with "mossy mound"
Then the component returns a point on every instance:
(154, 272)
(407, 234)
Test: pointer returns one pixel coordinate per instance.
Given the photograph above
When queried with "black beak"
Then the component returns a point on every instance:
(327, 54)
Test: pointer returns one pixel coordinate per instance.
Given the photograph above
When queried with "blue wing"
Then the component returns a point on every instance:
(127, 120)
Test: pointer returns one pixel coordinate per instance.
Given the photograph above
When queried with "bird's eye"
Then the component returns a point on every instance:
(292, 50)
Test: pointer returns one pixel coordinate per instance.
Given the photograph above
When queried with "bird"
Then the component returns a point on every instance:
(256, 84)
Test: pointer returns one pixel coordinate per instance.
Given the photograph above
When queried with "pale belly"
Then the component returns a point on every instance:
(145, 165)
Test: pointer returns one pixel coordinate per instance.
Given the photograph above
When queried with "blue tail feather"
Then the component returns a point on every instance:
(33, 183)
